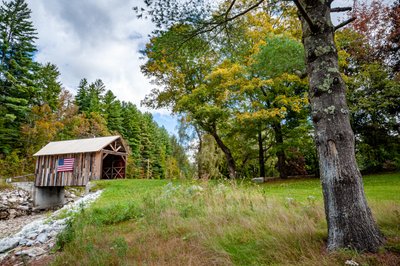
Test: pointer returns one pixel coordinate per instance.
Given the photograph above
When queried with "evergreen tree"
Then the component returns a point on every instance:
(82, 96)
(162, 150)
(17, 36)
(131, 117)
(89, 96)
(49, 88)
(113, 112)
(96, 91)
(146, 146)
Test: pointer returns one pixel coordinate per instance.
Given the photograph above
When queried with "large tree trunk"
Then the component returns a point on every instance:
(228, 155)
(261, 160)
(350, 222)
(281, 164)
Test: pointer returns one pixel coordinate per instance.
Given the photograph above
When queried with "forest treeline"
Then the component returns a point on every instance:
(240, 85)
(35, 109)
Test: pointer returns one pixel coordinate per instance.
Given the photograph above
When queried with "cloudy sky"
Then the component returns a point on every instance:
(98, 39)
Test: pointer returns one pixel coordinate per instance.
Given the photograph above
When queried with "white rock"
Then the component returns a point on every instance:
(23, 242)
(8, 243)
(12, 213)
(23, 208)
(31, 252)
(32, 235)
(258, 180)
(351, 262)
(12, 200)
(42, 237)
(51, 245)
(44, 230)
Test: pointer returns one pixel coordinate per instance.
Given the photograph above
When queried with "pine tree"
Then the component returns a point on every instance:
(49, 88)
(82, 98)
(96, 91)
(147, 148)
(89, 96)
(131, 117)
(113, 112)
(17, 36)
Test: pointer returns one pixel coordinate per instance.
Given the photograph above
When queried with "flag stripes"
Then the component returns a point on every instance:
(65, 165)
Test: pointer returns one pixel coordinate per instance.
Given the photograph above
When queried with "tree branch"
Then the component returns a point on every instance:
(244, 11)
(344, 23)
(305, 15)
(263, 91)
(229, 9)
(209, 27)
(341, 9)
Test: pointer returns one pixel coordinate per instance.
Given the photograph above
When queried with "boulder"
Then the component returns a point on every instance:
(23, 242)
(4, 214)
(13, 213)
(13, 200)
(15, 203)
(32, 235)
(8, 243)
(30, 243)
(42, 238)
(258, 179)
(23, 208)
(31, 252)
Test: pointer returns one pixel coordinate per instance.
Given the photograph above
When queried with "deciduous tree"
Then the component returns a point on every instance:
(350, 222)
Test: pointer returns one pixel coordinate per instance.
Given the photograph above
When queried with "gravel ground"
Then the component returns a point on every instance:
(28, 240)
(13, 226)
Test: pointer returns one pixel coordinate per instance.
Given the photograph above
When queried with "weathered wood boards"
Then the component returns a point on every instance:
(110, 158)
(84, 170)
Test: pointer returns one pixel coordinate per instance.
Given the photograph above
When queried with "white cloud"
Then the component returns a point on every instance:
(94, 39)
(97, 39)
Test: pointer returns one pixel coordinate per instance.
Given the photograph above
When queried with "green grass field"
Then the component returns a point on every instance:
(158, 222)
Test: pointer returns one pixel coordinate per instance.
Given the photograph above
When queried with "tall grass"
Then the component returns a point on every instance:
(142, 222)
(4, 185)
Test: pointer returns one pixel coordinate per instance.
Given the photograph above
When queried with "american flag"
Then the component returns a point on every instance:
(65, 165)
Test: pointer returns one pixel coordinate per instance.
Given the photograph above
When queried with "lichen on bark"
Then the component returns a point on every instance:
(330, 110)
(349, 219)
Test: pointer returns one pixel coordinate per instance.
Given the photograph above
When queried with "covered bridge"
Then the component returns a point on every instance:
(76, 162)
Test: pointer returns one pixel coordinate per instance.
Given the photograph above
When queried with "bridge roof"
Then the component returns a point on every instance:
(76, 146)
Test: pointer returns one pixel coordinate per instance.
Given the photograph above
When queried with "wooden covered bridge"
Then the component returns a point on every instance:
(76, 162)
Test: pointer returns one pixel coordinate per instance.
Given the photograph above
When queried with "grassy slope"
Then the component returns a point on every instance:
(377, 187)
(151, 222)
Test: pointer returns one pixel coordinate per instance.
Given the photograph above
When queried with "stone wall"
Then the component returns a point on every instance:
(15, 203)
(19, 202)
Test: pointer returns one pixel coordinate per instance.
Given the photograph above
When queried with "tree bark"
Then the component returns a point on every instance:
(200, 173)
(228, 155)
(261, 159)
(281, 164)
(350, 222)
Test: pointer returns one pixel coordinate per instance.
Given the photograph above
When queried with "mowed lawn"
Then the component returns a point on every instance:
(162, 222)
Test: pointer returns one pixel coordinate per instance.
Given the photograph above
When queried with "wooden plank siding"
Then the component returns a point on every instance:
(86, 168)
